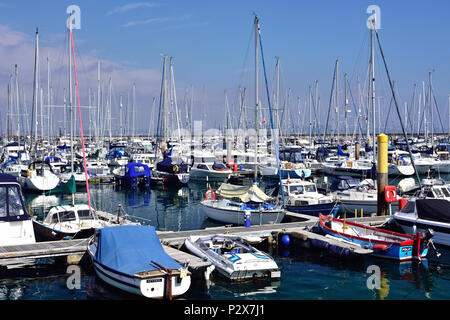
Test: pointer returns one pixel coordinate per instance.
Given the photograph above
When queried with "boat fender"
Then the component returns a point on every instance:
(379, 247)
(401, 162)
(286, 240)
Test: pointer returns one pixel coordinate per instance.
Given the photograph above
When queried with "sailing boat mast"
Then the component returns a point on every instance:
(71, 106)
(35, 92)
(372, 88)
(256, 95)
(17, 105)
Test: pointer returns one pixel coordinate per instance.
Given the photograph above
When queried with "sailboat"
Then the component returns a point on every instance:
(38, 176)
(72, 220)
(171, 170)
(245, 205)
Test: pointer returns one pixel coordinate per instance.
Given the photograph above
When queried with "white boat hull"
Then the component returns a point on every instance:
(150, 288)
(39, 183)
(396, 170)
(236, 216)
(209, 175)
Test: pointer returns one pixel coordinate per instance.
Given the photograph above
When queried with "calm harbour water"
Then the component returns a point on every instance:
(305, 274)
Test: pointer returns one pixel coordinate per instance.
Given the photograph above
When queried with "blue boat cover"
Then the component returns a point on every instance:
(131, 249)
(135, 169)
(342, 153)
(168, 165)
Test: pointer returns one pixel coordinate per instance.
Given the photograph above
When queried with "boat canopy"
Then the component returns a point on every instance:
(12, 207)
(132, 249)
(172, 165)
(433, 209)
(244, 193)
(135, 169)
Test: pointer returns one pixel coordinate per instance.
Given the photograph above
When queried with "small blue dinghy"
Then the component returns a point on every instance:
(132, 259)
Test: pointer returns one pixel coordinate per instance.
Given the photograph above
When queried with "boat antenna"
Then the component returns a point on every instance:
(398, 110)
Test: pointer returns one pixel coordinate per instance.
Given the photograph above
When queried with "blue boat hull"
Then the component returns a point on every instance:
(316, 209)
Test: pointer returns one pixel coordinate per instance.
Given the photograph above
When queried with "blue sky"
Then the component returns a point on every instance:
(212, 49)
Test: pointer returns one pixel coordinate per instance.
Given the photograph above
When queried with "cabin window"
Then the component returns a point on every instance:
(438, 193)
(84, 214)
(311, 188)
(445, 192)
(3, 211)
(15, 202)
(67, 216)
(202, 166)
(55, 218)
(430, 194)
(296, 189)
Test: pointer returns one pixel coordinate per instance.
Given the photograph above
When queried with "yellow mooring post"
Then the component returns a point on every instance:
(382, 173)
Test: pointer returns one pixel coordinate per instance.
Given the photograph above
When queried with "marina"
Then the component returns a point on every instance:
(112, 187)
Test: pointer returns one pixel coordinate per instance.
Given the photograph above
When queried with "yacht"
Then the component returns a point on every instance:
(16, 227)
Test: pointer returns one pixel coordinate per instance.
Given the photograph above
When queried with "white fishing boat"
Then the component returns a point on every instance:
(16, 227)
(69, 221)
(301, 196)
(97, 168)
(233, 257)
(132, 259)
(242, 205)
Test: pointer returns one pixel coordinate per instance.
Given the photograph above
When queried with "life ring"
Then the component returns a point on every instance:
(175, 168)
(401, 162)
(308, 165)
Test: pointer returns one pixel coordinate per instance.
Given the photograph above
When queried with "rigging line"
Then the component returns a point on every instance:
(398, 111)
(81, 122)
(277, 152)
(331, 101)
(439, 114)
(354, 105)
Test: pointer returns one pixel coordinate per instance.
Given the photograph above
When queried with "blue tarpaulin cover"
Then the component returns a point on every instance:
(131, 249)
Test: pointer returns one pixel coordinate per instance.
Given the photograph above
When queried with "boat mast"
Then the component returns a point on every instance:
(372, 87)
(256, 96)
(431, 109)
(71, 107)
(35, 92)
(17, 105)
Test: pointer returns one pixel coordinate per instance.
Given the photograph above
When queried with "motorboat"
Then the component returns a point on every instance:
(356, 196)
(16, 227)
(67, 221)
(421, 214)
(233, 257)
(209, 171)
(97, 168)
(242, 205)
(133, 174)
(383, 243)
(301, 196)
(340, 166)
(132, 259)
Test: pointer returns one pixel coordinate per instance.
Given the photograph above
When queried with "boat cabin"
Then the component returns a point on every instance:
(15, 223)
(69, 213)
